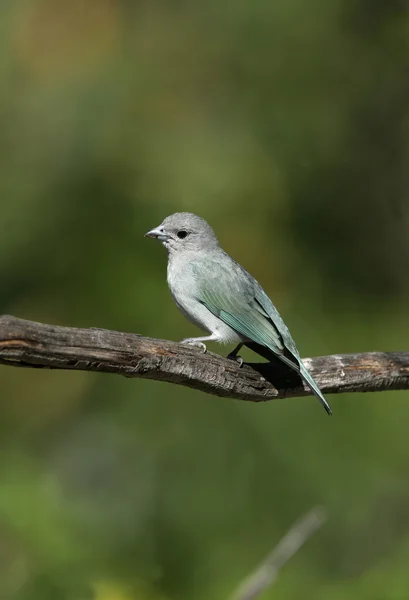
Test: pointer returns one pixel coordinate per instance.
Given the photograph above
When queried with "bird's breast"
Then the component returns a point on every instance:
(185, 289)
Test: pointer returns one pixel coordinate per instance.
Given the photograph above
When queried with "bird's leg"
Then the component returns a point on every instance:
(199, 341)
(233, 354)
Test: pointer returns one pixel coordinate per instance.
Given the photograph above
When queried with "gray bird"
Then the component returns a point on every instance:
(215, 293)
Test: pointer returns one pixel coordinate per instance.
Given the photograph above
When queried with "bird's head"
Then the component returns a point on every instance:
(184, 232)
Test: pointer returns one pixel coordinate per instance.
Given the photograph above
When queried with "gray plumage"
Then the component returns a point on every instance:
(215, 293)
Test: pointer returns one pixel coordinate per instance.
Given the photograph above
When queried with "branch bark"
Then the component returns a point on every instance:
(30, 344)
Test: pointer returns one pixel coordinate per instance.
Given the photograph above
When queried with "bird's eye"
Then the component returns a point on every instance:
(182, 234)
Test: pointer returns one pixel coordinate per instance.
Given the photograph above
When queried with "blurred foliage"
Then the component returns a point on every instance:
(286, 125)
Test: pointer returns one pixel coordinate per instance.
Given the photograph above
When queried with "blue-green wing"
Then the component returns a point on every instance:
(240, 302)
(242, 312)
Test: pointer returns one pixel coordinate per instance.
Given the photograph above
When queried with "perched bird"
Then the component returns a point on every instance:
(214, 292)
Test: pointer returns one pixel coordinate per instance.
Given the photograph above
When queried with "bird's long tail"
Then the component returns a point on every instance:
(309, 380)
(314, 387)
(295, 363)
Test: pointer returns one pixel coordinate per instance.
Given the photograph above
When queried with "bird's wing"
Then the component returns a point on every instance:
(275, 318)
(236, 298)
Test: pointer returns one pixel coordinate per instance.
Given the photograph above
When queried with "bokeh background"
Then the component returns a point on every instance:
(286, 126)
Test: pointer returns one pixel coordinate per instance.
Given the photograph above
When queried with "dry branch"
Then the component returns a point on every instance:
(30, 344)
(267, 572)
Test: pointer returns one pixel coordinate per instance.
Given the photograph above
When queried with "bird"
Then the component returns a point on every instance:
(218, 295)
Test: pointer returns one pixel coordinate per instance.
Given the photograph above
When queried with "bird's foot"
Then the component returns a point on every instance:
(194, 342)
(233, 354)
(236, 358)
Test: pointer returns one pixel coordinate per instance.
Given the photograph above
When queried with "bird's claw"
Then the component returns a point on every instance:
(236, 358)
(193, 342)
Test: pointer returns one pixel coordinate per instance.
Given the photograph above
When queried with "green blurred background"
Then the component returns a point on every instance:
(286, 126)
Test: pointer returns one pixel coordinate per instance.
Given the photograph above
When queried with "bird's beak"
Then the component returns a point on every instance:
(158, 233)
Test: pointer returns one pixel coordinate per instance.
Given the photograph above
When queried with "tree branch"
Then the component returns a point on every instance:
(30, 344)
(267, 572)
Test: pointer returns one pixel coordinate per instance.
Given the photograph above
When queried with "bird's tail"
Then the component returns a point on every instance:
(294, 362)
(308, 378)
(314, 387)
